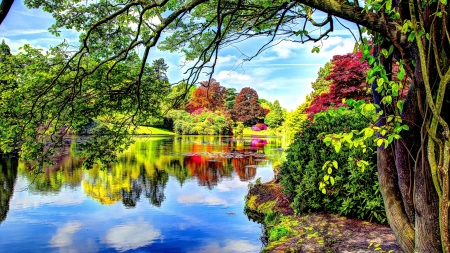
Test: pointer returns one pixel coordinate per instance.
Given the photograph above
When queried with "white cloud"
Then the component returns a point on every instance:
(201, 199)
(38, 13)
(64, 235)
(336, 46)
(221, 60)
(240, 246)
(227, 185)
(233, 77)
(286, 49)
(16, 32)
(131, 235)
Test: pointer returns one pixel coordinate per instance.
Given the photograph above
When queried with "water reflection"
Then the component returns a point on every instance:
(8, 174)
(165, 194)
(144, 169)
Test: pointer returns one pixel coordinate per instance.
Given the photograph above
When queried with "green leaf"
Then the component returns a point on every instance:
(337, 147)
(400, 105)
(330, 170)
(368, 132)
(388, 100)
(444, 2)
(388, 5)
(332, 180)
(335, 164)
(405, 27)
(379, 142)
(411, 37)
(324, 191)
(395, 89)
(380, 82)
(327, 140)
(315, 49)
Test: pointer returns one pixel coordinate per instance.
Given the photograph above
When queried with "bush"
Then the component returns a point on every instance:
(200, 121)
(355, 192)
(259, 127)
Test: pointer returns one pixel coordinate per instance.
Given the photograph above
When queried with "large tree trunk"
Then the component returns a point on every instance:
(387, 177)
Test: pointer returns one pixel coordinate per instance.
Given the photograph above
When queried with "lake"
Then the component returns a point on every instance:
(165, 194)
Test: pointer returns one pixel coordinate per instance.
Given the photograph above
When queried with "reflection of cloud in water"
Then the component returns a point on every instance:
(131, 235)
(23, 199)
(64, 235)
(240, 246)
(201, 199)
(227, 185)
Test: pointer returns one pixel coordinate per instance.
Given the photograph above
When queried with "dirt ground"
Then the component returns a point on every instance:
(316, 232)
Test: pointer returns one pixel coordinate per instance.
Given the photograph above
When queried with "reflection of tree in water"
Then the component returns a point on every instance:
(245, 168)
(65, 172)
(130, 198)
(145, 167)
(152, 184)
(8, 175)
(177, 168)
(208, 171)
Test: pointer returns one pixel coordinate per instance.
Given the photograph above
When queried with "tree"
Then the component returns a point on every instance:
(247, 108)
(230, 98)
(321, 84)
(275, 117)
(159, 68)
(210, 95)
(37, 109)
(348, 80)
(413, 170)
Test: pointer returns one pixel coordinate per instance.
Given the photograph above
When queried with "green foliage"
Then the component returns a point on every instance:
(277, 233)
(230, 98)
(206, 122)
(240, 129)
(275, 117)
(321, 84)
(294, 120)
(37, 111)
(352, 191)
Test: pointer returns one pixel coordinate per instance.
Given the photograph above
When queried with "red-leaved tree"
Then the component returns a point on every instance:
(348, 80)
(210, 95)
(247, 108)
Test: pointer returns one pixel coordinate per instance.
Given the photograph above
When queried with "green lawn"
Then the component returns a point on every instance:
(249, 131)
(143, 130)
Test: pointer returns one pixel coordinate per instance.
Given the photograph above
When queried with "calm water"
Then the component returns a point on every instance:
(166, 194)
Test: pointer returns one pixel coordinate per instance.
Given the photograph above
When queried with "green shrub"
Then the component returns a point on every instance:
(206, 122)
(355, 192)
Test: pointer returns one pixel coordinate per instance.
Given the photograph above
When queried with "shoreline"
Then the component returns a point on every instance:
(316, 232)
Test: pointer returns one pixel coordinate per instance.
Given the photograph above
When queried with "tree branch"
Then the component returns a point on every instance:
(5, 6)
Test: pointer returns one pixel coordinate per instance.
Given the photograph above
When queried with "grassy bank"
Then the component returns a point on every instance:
(267, 132)
(144, 130)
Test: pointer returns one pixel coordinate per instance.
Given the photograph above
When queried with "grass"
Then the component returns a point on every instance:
(144, 130)
(249, 131)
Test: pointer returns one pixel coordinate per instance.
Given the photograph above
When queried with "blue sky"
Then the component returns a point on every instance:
(283, 72)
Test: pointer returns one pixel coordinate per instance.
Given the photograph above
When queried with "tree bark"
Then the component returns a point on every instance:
(357, 15)
(5, 6)
(398, 220)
